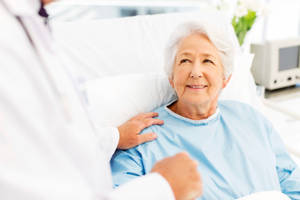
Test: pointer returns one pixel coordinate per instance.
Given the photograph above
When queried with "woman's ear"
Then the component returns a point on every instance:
(225, 81)
(171, 81)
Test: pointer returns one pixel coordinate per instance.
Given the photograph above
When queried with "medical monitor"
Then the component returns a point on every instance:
(276, 63)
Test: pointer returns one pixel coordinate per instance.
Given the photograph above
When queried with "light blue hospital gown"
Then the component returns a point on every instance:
(238, 151)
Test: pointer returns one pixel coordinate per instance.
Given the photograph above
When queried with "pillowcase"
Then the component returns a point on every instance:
(115, 99)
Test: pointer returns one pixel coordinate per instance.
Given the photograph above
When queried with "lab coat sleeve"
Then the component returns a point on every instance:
(108, 138)
(287, 170)
(149, 187)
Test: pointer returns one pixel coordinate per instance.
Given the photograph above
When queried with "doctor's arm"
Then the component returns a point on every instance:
(287, 170)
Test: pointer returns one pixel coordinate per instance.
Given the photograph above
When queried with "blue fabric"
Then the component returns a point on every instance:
(238, 151)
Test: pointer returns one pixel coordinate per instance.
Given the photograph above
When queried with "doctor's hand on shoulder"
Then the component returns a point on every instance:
(130, 130)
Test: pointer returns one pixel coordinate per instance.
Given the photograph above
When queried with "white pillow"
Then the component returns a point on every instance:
(115, 99)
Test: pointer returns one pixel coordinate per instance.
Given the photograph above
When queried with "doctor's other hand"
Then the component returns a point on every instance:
(182, 174)
(130, 130)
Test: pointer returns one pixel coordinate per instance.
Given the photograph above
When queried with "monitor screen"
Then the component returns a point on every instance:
(288, 58)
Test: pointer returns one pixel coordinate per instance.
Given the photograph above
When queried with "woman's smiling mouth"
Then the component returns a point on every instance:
(196, 87)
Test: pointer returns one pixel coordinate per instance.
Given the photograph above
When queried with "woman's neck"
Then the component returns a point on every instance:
(194, 112)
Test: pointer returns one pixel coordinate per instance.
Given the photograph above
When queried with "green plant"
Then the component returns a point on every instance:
(244, 13)
(243, 24)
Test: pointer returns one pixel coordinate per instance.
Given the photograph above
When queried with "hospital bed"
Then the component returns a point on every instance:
(122, 62)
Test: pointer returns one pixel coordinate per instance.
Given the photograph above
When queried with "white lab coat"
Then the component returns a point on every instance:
(49, 149)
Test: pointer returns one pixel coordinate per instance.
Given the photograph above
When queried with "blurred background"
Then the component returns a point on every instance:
(276, 65)
(280, 19)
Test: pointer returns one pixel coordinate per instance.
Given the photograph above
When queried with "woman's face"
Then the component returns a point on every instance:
(198, 74)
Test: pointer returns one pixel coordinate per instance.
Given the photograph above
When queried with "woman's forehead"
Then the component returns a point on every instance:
(190, 53)
(197, 43)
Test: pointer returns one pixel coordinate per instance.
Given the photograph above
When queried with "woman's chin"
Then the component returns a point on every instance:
(199, 102)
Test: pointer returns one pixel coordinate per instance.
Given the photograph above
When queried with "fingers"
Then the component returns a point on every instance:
(151, 121)
(142, 116)
(186, 158)
(149, 115)
(182, 174)
(147, 137)
(146, 119)
(183, 154)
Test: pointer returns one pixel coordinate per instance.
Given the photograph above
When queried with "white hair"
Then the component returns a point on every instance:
(219, 34)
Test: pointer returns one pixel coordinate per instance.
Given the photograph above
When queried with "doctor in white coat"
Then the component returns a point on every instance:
(49, 148)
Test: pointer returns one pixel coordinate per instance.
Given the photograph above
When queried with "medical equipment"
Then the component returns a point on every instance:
(276, 63)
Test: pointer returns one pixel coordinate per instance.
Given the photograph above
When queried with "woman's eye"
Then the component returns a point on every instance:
(184, 61)
(208, 61)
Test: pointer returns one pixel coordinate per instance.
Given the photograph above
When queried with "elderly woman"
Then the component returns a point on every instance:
(238, 151)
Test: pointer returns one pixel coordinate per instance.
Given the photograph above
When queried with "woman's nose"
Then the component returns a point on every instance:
(196, 76)
(196, 71)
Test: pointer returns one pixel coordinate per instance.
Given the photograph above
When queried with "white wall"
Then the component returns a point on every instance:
(282, 21)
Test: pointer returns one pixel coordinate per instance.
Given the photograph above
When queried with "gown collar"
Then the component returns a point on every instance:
(206, 121)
